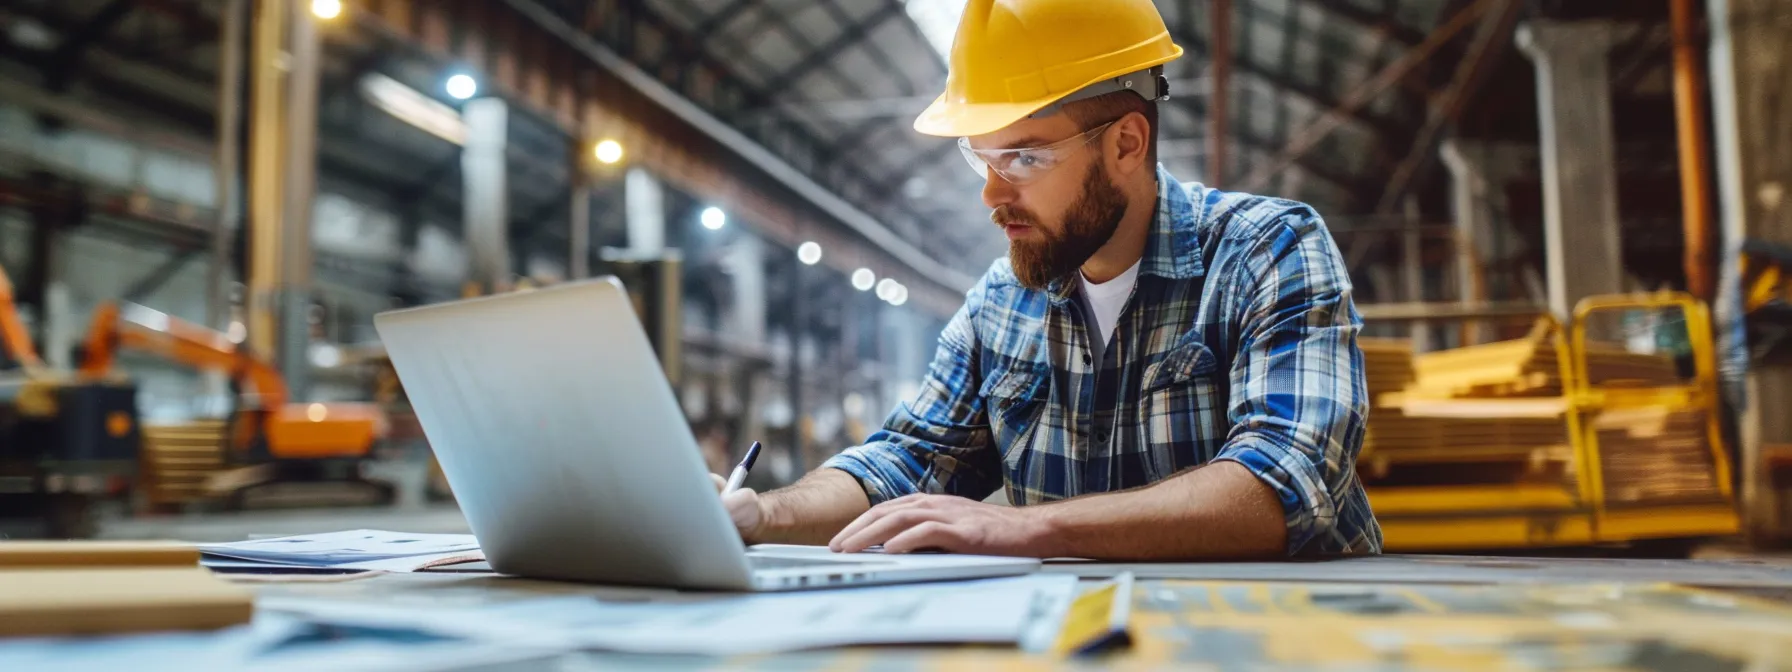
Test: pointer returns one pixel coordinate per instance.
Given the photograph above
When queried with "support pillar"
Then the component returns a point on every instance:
(284, 67)
(1751, 69)
(646, 211)
(1580, 184)
(306, 56)
(1479, 174)
(798, 326)
(227, 165)
(265, 185)
(748, 277)
(487, 203)
(578, 219)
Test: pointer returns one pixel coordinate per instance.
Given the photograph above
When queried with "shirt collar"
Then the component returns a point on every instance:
(1172, 246)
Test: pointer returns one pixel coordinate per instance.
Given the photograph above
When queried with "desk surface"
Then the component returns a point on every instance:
(1299, 621)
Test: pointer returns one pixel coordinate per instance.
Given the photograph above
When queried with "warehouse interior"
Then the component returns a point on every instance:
(1564, 222)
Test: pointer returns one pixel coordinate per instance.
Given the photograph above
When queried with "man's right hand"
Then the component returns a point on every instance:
(743, 507)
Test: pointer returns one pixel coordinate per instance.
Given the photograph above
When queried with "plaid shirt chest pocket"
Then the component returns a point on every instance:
(1182, 407)
(1015, 396)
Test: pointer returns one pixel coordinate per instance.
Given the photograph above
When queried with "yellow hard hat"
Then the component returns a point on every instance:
(1015, 58)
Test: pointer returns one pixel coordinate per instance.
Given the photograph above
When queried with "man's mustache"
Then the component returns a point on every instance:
(1009, 216)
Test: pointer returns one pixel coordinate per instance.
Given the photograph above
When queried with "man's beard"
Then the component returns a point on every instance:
(1088, 225)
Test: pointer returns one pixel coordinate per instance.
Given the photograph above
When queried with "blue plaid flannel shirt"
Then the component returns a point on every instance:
(1238, 344)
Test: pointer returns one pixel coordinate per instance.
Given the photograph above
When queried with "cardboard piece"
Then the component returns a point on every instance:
(113, 600)
(70, 554)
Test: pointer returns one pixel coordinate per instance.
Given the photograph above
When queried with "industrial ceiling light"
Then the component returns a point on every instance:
(809, 253)
(609, 152)
(326, 9)
(714, 219)
(863, 279)
(900, 297)
(462, 87)
(886, 288)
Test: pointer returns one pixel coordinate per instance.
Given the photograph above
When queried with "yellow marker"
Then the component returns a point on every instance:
(1098, 619)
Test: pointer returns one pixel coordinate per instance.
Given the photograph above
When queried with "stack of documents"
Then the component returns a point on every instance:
(351, 551)
(1020, 610)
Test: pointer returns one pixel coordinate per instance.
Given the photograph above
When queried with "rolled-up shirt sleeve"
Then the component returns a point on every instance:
(938, 442)
(1299, 401)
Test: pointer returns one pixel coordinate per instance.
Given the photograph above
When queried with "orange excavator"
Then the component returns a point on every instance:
(16, 350)
(271, 440)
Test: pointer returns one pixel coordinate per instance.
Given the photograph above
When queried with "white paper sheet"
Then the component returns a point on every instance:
(272, 643)
(991, 611)
(354, 549)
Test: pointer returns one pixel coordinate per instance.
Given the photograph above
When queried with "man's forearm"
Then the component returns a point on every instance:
(812, 510)
(1217, 511)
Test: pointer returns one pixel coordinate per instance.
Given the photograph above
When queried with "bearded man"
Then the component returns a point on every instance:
(1157, 371)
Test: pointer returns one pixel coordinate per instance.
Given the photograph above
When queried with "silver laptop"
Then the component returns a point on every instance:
(569, 455)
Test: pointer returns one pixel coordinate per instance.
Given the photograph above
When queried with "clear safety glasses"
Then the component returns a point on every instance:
(1027, 164)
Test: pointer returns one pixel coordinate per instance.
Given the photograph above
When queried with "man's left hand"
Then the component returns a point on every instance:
(947, 523)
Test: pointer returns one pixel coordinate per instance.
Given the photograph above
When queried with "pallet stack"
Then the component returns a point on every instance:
(1502, 403)
(1471, 405)
(1655, 455)
(177, 461)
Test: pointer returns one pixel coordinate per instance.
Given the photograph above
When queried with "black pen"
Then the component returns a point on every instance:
(740, 470)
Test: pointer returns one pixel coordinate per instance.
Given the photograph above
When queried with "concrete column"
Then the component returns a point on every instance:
(296, 258)
(487, 207)
(578, 262)
(61, 330)
(227, 167)
(1580, 185)
(799, 324)
(1479, 173)
(1751, 69)
(646, 209)
(748, 265)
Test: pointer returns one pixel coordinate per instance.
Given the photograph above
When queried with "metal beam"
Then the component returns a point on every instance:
(814, 156)
(1348, 182)
(1378, 22)
(824, 55)
(1382, 128)
(67, 56)
(160, 276)
(1359, 97)
(1483, 55)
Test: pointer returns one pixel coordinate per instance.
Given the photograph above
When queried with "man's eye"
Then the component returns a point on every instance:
(1028, 160)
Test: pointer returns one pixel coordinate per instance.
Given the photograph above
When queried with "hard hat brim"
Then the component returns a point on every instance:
(960, 120)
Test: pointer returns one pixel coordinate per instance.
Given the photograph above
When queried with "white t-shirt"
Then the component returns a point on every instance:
(1104, 302)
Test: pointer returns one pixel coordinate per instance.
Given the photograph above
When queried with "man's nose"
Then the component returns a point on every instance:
(997, 190)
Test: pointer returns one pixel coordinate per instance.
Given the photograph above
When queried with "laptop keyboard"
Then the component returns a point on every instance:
(775, 562)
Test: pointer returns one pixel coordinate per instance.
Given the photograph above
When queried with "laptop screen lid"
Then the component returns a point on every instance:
(562, 439)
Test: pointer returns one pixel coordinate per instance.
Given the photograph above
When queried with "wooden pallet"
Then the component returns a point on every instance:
(1655, 455)
(178, 459)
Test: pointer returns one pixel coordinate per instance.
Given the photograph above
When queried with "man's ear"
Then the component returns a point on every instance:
(1132, 142)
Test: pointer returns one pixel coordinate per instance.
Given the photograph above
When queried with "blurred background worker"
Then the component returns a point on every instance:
(1141, 332)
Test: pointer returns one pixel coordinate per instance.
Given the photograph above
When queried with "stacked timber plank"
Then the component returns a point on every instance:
(1387, 364)
(1493, 403)
(1502, 403)
(1655, 454)
(178, 459)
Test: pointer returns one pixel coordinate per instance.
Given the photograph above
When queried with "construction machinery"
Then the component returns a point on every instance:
(66, 443)
(1606, 429)
(271, 452)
